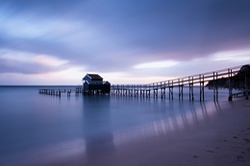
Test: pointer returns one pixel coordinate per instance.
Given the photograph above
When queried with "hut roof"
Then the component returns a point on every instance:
(93, 77)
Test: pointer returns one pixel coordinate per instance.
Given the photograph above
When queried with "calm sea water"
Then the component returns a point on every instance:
(37, 128)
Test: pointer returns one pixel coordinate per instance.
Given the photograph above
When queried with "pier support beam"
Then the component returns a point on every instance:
(155, 90)
(142, 93)
(125, 92)
(163, 93)
(147, 93)
(201, 80)
(163, 90)
(130, 92)
(136, 92)
(230, 90)
(171, 88)
(215, 85)
(191, 88)
(180, 89)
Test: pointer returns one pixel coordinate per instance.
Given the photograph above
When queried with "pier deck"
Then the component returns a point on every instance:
(162, 87)
(59, 92)
(213, 79)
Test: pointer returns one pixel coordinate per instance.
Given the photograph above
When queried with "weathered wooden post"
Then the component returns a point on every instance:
(215, 77)
(201, 80)
(155, 89)
(246, 85)
(191, 89)
(180, 89)
(229, 85)
(170, 88)
(163, 87)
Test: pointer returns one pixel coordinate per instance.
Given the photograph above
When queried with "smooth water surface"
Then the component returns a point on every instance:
(36, 127)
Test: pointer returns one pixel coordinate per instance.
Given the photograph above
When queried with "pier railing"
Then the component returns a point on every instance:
(214, 80)
(190, 81)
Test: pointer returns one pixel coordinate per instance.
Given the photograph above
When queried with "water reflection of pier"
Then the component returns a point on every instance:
(97, 128)
(200, 112)
(100, 137)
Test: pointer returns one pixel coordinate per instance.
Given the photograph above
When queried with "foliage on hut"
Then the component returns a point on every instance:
(94, 84)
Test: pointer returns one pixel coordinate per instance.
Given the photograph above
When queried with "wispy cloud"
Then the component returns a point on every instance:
(235, 55)
(159, 64)
(49, 60)
(30, 63)
(121, 36)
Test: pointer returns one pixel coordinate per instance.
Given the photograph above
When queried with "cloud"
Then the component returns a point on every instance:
(118, 36)
(29, 63)
(160, 64)
(242, 56)
(49, 60)
(12, 66)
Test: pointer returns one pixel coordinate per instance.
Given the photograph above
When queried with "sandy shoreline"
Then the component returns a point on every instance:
(223, 140)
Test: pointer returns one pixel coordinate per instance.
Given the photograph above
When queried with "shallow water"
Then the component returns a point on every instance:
(36, 127)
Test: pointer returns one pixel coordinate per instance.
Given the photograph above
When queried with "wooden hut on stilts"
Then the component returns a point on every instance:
(94, 84)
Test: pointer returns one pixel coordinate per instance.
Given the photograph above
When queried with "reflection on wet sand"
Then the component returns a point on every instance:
(186, 119)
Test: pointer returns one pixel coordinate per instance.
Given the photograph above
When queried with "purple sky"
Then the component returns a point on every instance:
(132, 41)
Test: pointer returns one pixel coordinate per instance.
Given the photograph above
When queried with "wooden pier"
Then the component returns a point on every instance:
(59, 92)
(159, 89)
(225, 78)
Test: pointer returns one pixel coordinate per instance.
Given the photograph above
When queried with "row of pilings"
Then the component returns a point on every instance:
(212, 79)
(55, 92)
(68, 92)
(160, 89)
(155, 91)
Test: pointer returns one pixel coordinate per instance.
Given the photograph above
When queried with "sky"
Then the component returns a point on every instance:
(56, 42)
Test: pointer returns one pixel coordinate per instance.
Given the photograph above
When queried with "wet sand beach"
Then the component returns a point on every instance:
(224, 139)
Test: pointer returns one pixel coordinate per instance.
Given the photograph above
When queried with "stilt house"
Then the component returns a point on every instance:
(94, 84)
